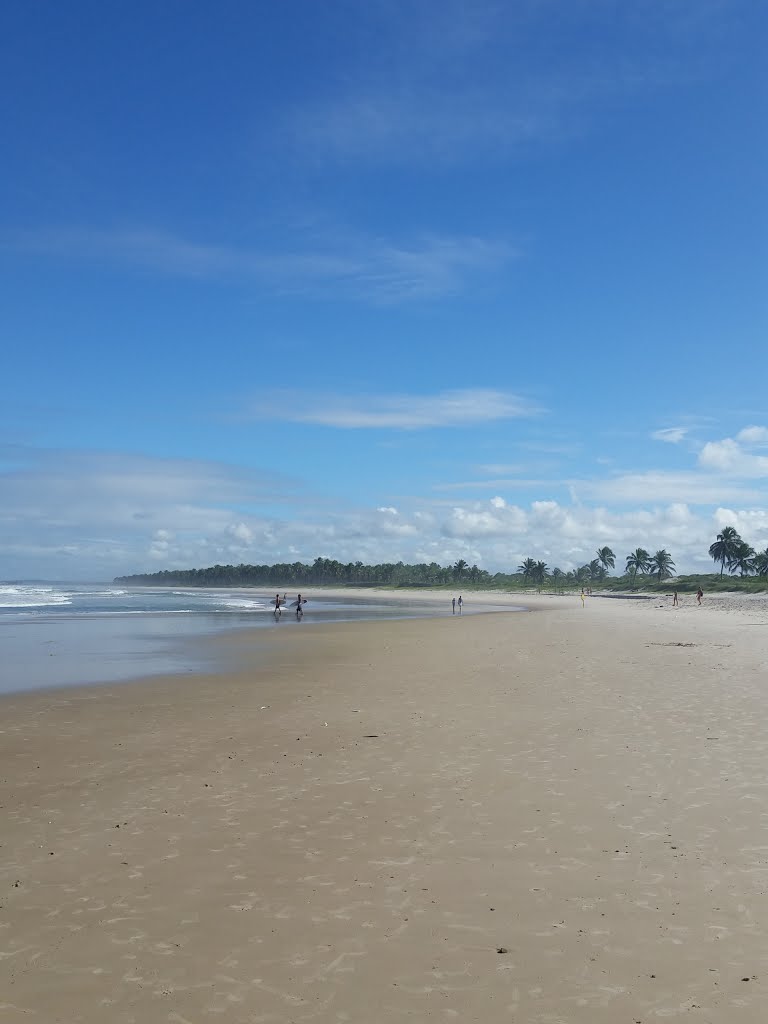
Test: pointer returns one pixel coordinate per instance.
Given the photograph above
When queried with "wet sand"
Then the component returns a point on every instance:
(550, 817)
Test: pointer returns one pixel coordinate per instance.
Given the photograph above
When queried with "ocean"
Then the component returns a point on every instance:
(65, 634)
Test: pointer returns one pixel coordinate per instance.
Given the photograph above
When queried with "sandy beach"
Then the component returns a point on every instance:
(558, 816)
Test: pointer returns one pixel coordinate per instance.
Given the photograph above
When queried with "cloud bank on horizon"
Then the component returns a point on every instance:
(381, 283)
(101, 514)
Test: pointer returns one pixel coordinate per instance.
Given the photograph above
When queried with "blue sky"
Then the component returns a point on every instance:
(382, 281)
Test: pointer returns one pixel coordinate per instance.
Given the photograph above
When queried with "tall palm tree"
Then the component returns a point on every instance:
(662, 565)
(725, 547)
(607, 559)
(761, 563)
(596, 570)
(540, 573)
(638, 561)
(743, 559)
(528, 568)
(459, 568)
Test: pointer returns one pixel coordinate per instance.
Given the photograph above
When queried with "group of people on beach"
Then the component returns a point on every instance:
(282, 602)
(455, 604)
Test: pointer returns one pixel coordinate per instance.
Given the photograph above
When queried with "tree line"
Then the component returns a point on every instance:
(323, 571)
(640, 561)
(728, 550)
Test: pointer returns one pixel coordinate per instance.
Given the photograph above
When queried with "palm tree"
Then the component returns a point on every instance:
(606, 558)
(662, 564)
(761, 563)
(540, 573)
(528, 568)
(742, 559)
(596, 570)
(725, 547)
(638, 561)
(459, 567)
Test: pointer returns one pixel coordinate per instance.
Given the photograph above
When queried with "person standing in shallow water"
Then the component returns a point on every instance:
(299, 611)
(460, 604)
(453, 606)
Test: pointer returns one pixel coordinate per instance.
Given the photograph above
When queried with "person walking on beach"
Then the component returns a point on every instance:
(460, 603)
(278, 609)
(299, 611)
(453, 606)
(699, 595)
(674, 600)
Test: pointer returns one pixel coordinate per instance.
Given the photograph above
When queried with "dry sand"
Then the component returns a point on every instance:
(550, 817)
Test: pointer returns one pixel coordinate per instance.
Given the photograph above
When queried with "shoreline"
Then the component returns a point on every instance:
(541, 817)
(104, 647)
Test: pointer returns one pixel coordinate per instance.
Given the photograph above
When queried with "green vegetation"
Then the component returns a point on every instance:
(643, 571)
(729, 549)
(323, 571)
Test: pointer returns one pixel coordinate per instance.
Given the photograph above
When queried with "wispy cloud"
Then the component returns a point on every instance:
(403, 412)
(48, 489)
(670, 435)
(512, 483)
(368, 269)
(648, 488)
(501, 468)
(446, 85)
(421, 124)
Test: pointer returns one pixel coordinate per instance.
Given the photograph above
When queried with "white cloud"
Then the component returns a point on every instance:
(241, 532)
(729, 457)
(753, 436)
(98, 514)
(458, 408)
(752, 524)
(658, 486)
(671, 435)
(481, 520)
